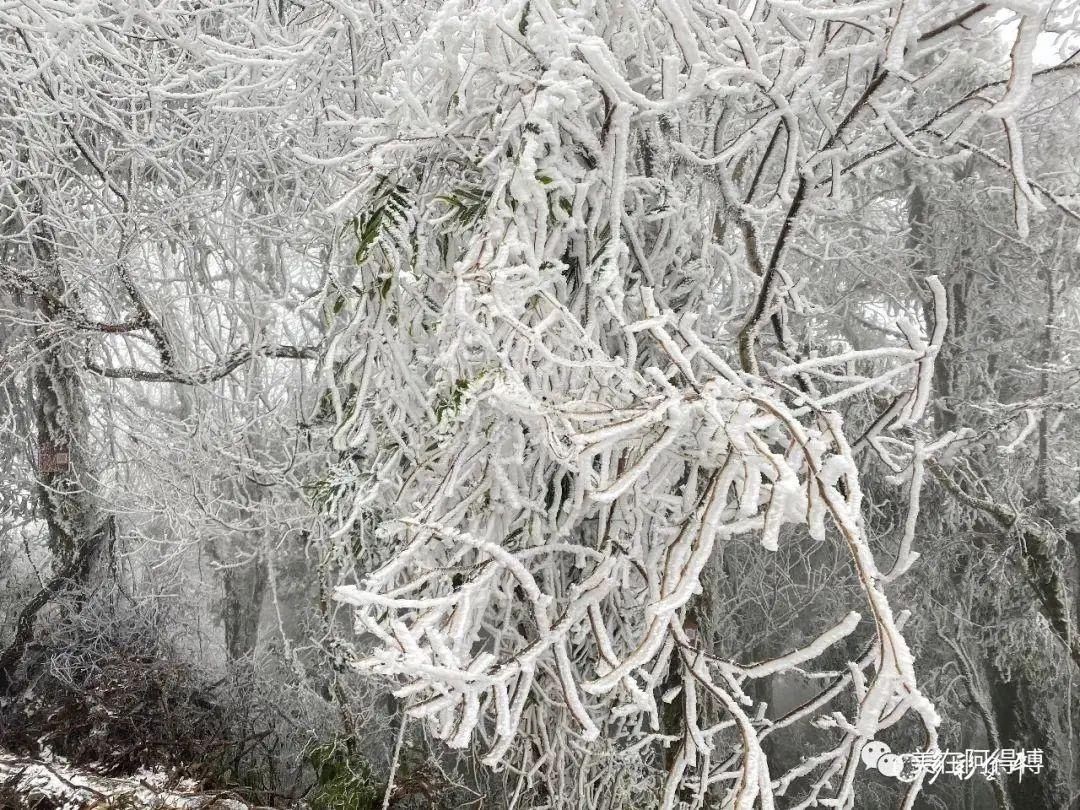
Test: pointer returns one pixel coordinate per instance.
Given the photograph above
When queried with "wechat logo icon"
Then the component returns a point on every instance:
(878, 755)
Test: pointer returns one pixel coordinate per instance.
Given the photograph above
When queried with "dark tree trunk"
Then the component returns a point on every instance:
(78, 530)
(60, 416)
(244, 588)
(1019, 728)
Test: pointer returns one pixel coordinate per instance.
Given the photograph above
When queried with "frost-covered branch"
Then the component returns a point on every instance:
(542, 417)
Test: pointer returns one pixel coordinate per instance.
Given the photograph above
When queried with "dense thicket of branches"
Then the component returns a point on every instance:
(528, 403)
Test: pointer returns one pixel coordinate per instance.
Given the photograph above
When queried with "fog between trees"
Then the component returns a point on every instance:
(537, 404)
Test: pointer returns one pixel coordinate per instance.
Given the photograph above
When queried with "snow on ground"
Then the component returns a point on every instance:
(58, 785)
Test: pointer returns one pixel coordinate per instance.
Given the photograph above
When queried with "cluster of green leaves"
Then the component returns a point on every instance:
(467, 204)
(389, 205)
(319, 493)
(384, 220)
(343, 782)
(449, 405)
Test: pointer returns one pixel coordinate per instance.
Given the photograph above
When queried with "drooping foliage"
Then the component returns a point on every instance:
(555, 400)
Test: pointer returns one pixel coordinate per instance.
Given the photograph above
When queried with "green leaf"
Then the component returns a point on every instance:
(469, 204)
(389, 204)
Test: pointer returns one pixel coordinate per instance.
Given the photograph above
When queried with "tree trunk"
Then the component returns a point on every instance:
(244, 588)
(60, 415)
(1020, 729)
(78, 530)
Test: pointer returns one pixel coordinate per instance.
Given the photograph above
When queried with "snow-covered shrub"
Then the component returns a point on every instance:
(107, 685)
(112, 685)
(553, 405)
(342, 781)
(104, 684)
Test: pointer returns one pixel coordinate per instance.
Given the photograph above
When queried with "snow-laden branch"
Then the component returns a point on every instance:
(539, 408)
(209, 373)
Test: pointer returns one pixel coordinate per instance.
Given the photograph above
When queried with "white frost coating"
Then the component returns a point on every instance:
(902, 33)
(1023, 54)
(532, 318)
(59, 784)
(1031, 422)
(915, 406)
(905, 557)
(834, 634)
(566, 440)
(1024, 198)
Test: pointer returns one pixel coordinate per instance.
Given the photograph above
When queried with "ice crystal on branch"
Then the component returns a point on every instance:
(551, 390)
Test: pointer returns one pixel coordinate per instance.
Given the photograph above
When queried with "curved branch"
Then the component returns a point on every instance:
(209, 373)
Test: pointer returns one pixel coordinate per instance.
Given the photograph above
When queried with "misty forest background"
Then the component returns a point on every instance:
(373, 377)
